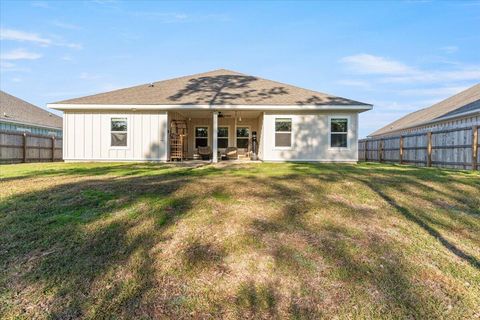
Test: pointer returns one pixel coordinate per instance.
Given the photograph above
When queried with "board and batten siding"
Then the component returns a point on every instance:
(310, 137)
(87, 136)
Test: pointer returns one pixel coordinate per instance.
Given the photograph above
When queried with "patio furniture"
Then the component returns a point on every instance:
(205, 153)
(231, 153)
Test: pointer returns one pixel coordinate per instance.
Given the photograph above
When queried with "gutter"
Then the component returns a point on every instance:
(133, 107)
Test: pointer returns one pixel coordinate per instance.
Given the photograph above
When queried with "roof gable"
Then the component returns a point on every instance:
(18, 110)
(219, 87)
(464, 101)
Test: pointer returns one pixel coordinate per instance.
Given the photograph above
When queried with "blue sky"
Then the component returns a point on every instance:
(400, 56)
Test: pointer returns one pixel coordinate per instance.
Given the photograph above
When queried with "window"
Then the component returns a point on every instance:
(243, 133)
(201, 137)
(118, 132)
(338, 132)
(283, 132)
(222, 135)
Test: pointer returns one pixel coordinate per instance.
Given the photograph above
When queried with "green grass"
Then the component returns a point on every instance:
(300, 241)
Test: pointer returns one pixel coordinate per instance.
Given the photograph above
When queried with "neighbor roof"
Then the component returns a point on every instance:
(465, 101)
(219, 87)
(17, 110)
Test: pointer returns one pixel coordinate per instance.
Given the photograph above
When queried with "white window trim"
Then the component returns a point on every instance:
(275, 132)
(349, 122)
(195, 134)
(249, 133)
(127, 132)
(228, 135)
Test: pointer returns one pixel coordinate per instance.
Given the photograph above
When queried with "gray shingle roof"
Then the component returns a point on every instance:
(217, 87)
(462, 102)
(17, 110)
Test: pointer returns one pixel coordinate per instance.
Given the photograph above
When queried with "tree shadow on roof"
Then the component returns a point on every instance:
(328, 100)
(224, 89)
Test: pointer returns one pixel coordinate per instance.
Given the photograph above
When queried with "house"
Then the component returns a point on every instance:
(211, 114)
(21, 116)
(459, 111)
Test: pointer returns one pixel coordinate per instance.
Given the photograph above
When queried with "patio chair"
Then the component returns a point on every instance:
(231, 153)
(205, 153)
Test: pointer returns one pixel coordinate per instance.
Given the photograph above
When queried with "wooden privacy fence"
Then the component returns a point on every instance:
(451, 148)
(25, 147)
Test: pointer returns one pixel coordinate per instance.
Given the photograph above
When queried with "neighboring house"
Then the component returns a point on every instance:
(21, 116)
(459, 111)
(215, 110)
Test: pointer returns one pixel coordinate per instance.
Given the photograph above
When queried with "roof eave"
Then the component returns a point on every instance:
(58, 106)
(31, 124)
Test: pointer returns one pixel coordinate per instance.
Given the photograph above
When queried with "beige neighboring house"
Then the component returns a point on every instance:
(212, 113)
(18, 115)
(458, 111)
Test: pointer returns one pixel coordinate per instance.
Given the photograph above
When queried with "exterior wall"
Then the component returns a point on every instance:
(87, 136)
(222, 122)
(310, 141)
(10, 126)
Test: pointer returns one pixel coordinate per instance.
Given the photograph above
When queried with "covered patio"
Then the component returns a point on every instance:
(214, 135)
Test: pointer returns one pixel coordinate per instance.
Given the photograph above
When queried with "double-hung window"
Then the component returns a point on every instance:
(283, 132)
(243, 135)
(338, 132)
(222, 136)
(118, 132)
(201, 137)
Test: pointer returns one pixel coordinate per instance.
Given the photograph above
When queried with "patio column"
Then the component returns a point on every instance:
(215, 137)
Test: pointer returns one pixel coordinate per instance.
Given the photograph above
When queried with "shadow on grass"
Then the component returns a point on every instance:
(386, 271)
(77, 234)
(74, 238)
(425, 226)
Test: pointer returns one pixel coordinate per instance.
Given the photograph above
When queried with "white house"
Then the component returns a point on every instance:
(215, 114)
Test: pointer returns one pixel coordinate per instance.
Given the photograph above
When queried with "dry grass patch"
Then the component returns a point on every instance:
(302, 241)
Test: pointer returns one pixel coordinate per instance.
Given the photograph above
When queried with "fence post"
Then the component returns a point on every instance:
(366, 150)
(381, 155)
(53, 148)
(474, 147)
(401, 149)
(24, 147)
(378, 151)
(429, 149)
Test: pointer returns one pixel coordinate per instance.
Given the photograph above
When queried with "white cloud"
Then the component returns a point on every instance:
(65, 25)
(89, 76)
(40, 4)
(392, 71)
(7, 66)
(442, 91)
(22, 36)
(449, 49)
(20, 54)
(17, 35)
(179, 17)
(370, 64)
(354, 83)
(16, 79)
(77, 46)
(465, 74)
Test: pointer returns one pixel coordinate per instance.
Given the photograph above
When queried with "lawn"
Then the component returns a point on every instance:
(238, 241)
